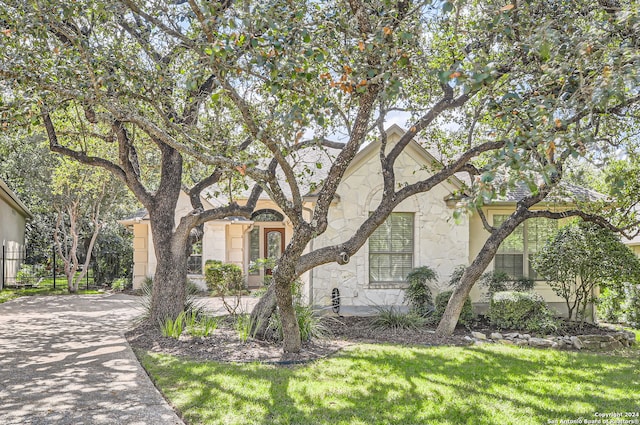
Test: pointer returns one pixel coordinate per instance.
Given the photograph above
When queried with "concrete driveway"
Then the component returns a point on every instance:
(63, 360)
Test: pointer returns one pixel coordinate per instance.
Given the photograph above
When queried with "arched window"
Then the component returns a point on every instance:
(267, 215)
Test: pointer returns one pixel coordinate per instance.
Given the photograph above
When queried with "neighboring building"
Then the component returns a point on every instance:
(633, 244)
(420, 232)
(13, 218)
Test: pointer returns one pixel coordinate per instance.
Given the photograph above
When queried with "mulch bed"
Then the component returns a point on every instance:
(225, 345)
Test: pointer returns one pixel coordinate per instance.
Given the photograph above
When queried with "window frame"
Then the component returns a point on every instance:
(396, 281)
(527, 270)
(193, 256)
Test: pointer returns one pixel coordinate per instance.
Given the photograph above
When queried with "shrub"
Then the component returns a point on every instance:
(418, 293)
(631, 305)
(609, 304)
(456, 275)
(25, 275)
(521, 311)
(119, 284)
(499, 281)
(442, 299)
(223, 278)
(173, 328)
(394, 319)
(201, 326)
(244, 326)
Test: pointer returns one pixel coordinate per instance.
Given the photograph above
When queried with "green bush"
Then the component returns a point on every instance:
(525, 311)
(223, 278)
(173, 328)
(499, 281)
(418, 294)
(631, 305)
(25, 275)
(119, 284)
(456, 275)
(394, 319)
(442, 299)
(609, 304)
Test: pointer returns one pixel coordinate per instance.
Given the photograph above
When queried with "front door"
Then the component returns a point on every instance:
(273, 244)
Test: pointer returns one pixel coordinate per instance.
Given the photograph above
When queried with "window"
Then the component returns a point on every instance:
(391, 249)
(267, 215)
(194, 263)
(254, 250)
(516, 252)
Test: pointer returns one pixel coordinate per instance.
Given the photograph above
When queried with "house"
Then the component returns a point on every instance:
(13, 218)
(633, 244)
(421, 231)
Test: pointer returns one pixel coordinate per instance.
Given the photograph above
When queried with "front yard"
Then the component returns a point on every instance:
(392, 384)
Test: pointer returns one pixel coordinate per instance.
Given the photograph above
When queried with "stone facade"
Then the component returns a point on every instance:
(439, 242)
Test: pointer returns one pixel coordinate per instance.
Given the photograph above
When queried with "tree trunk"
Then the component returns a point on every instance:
(169, 285)
(169, 282)
(262, 311)
(290, 329)
(170, 244)
(451, 314)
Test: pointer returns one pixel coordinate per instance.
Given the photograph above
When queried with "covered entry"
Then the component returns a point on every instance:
(266, 239)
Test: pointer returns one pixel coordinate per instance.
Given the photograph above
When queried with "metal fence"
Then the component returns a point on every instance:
(47, 272)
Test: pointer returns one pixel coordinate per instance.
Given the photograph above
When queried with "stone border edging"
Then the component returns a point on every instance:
(614, 341)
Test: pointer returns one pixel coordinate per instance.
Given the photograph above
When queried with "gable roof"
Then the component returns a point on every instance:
(12, 199)
(420, 154)
(565, 192)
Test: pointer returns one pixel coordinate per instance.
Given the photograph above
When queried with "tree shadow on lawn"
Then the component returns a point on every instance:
(373, 384)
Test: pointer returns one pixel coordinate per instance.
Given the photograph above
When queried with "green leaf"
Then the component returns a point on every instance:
(545, 51)
(447, 7)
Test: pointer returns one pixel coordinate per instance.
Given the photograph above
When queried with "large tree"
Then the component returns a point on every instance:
(114, 87)
(505, 92)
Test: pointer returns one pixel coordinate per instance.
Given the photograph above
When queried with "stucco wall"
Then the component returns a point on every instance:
(141, 248)
(12, 225)
(439, 242)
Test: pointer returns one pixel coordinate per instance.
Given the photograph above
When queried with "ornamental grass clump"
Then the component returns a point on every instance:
(394, 319)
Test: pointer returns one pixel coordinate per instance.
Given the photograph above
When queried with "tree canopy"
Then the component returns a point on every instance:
(183, 95)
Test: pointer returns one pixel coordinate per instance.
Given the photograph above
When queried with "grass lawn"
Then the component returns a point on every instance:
(388, 384)
(9, 294)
